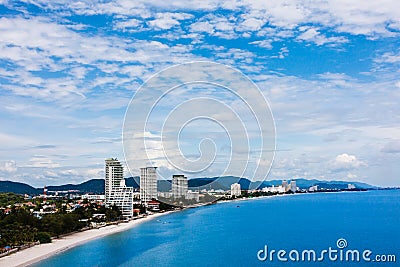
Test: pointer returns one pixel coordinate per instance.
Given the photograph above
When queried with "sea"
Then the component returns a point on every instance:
(318, 229)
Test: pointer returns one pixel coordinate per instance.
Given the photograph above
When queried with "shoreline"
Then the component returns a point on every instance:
(43, 251)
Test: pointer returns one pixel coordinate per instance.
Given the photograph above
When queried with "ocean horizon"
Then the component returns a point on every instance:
(238, 233)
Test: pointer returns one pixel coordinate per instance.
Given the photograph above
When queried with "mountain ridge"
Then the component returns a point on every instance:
(96, 186)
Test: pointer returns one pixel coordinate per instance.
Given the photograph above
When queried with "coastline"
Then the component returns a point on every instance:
(40, 252)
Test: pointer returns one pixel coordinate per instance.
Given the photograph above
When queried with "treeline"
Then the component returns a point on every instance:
(10, 199)
(20, 227)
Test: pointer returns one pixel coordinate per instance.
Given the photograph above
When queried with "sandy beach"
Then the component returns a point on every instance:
(42, 251)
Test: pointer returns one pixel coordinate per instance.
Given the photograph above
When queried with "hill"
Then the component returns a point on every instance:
(96, 186)
(18, 188)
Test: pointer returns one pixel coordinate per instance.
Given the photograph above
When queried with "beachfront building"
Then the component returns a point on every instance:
(235, 190)
(275, 189)
(148, 184)
(179, 186)
(193, 195)
(114, 174)
(122, 197)
(116, 192)
(285, 185)
(313, 188)
(293, 186)
(351, 186)
(153, 205)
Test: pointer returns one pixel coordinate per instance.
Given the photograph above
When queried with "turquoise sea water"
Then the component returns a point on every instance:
(231, 234)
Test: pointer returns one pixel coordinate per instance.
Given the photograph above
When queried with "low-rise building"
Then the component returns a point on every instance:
(193, 195)
(275, 189)
(153, 205)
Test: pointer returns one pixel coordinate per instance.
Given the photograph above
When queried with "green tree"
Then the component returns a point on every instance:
(43, 237)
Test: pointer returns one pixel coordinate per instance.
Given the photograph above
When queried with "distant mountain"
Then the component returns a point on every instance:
(306, 183)
(96, 186)
(225, 182)
(18, 188)
(131, 182)
(215, 183)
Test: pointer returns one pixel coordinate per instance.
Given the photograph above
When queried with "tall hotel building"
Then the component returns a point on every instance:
(114, 175)
(148, 184)
(116, 193)
(235, 190)
(179, 186)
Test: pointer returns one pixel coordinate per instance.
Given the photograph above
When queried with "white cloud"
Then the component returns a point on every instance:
(313, 35)
(351, 176)
(373, 19)
(264, 44)
(251, 24)
(346, 162)
(392, 147)
(130, 24)
(8, 166)
(213, 25)
(283, 52)
(389, 57)
(40, 161)
(168, 20)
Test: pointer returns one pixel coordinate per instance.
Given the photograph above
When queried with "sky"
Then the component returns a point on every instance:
(329, 71)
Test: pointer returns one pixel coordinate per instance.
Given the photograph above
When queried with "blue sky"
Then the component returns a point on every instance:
(329, 69)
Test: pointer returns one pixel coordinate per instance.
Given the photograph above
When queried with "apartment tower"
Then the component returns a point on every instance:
(148, 184)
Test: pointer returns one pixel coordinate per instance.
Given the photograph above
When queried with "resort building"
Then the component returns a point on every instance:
(313, 188)
(114, 174)
(285, 185)
(235, 190)
(275, 189)
(148, 184)
(293, 186)
(122, 197)
(193, 195)
(153, 205)
(351, 186)
(116, 192)
(179, 186)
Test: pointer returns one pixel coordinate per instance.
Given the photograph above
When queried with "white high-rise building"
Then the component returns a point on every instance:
(293, 186)
(114, 175)
(148, 184)
(285, 185)
(116, 193)
(179, 186)
(235, 190)
(122, 197)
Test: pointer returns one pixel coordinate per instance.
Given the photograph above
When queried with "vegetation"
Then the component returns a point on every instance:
(18, 225)
(7, 199)
(43, 237)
